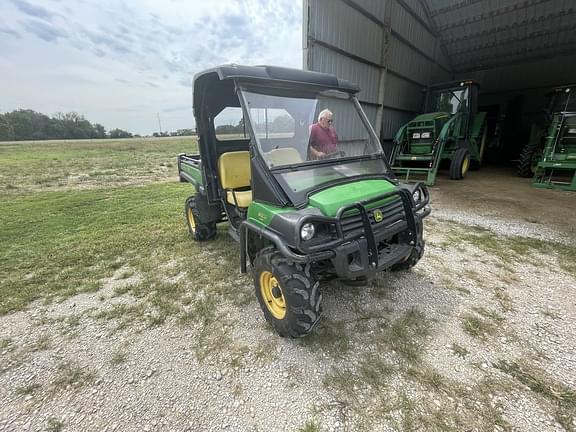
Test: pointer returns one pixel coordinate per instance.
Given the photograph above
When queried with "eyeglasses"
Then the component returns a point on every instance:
(330, 121)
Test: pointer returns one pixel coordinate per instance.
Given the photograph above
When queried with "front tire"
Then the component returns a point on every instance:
(288, 294)
(415, 256)
(460, 164)
(198, 230)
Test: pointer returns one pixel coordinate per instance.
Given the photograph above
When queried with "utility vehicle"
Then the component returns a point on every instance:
(550, 155)
(450, 130)
(298, 220)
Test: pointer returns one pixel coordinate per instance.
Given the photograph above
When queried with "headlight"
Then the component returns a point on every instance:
(417, 196)
(415, 135)
(307, 231)
(425, 135)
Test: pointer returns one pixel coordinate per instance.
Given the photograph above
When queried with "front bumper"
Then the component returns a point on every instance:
(372, 247)
(353, 260)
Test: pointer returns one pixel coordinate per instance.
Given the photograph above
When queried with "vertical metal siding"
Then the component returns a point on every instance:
(402, 94)
(336, 23)
(364, 75)
(402, 59)
(393, 120)
(412, 63)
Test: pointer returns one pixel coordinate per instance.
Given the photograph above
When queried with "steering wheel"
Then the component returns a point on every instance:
(334, 155)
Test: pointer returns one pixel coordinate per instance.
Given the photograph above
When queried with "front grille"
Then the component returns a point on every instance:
(392, 213)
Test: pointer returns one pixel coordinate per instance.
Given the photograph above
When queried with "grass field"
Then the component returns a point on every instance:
(63, 165)
(75, 213)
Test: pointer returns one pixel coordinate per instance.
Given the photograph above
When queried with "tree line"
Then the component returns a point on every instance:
(24, 124)
(283, 123)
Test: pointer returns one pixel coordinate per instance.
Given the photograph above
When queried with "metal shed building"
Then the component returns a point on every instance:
(516, 49)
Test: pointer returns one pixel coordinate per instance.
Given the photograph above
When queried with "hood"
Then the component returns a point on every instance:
(442, 116)
(329, 201)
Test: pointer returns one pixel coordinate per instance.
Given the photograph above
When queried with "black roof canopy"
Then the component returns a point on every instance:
(219, 83)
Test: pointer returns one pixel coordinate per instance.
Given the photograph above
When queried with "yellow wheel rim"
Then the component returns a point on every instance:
(465, 166)
(272, 295)
(191, 220)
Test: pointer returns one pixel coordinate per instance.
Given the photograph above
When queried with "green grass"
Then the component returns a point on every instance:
(539, 383)
(562, 397)
(27, 389)
(477, 326)
(310, 426)
(81, 237)
(404, 335)
(41, 344)
(54, 425)
(71, 375)
(61, 243)
(329, 337)
(98, 163)
(5, 343)
(513, 249)
(118, 357)
(459, 350)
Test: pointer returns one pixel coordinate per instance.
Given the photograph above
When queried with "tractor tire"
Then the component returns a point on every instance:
(476, 164)
(526, 163)
(288, 294)
(460, 164)
(412, 260)
(198, 230)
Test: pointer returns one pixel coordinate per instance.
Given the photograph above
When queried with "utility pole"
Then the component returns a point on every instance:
(159, 123)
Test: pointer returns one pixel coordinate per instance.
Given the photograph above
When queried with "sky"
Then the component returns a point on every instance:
(121, 63)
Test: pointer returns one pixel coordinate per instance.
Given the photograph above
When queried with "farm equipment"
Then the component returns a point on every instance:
(450, 130)
(299, 219)
(550, 155)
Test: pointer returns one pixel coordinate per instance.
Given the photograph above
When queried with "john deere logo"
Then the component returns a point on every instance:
(378, 215)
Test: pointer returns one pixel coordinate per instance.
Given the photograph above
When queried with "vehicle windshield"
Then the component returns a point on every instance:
(448, 100)
(311, 138)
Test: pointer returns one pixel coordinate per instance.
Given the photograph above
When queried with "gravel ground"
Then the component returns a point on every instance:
(467, 340)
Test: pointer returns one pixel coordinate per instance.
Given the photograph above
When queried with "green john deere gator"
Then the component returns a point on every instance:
(550, 155)
(300, 218)
(450, 131)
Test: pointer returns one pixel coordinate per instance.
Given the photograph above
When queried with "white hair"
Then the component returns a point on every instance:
(325, 113)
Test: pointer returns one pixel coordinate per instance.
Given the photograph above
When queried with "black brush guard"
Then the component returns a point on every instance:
(398, 216)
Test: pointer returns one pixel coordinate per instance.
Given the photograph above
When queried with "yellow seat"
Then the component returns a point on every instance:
(243, 198)
(235, 174)
(283, 156)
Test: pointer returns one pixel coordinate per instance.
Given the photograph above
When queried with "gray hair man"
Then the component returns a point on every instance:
(323, 138)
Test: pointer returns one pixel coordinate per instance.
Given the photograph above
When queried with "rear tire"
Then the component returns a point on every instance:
(460, 164)
(288, 294)
(412, 260)
(198, 230)
(526, 163)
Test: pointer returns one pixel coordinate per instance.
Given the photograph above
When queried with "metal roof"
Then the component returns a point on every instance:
(486, 34)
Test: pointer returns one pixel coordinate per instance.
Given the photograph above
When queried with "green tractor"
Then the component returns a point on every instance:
(450, 130)
(300, 216)
(550, 155)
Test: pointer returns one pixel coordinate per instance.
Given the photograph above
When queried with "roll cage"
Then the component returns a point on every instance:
(219, 88)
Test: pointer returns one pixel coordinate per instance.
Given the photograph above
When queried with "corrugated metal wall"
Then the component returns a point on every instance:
(516, 49)
(388, 47)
